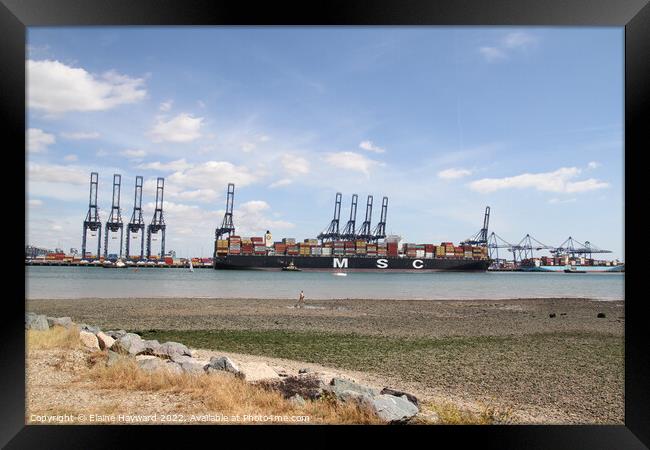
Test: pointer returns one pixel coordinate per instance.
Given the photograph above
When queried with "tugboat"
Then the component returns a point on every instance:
(291, 268)
(573, 270)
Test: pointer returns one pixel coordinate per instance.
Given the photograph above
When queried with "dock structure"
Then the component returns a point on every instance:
(157, 222)
(136, 224)
(114, 222)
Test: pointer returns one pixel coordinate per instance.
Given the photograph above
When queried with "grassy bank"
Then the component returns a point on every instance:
(574, 374)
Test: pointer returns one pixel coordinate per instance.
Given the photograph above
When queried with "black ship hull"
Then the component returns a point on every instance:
(350, 263)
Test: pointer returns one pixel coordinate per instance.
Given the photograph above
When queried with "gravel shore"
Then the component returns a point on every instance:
(547, 360)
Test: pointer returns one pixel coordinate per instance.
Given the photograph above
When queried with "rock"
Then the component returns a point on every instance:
(339, 386)
(88, 339)
(133, 344)
(36, 322)
(304, 370)
(256, 371)
(168, 349)
(601, 315)
(113, 358)
(60, 321)
(354, 396)
(411, 398)
(394, 409)
(89, 328)
(105, 341)
(297, 400)
(116, 334)
(222, 363)
(154, 364)
(551, 315)
(189, 364)
(144, 357)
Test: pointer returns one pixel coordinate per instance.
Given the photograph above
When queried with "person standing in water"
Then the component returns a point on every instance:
(301, 300)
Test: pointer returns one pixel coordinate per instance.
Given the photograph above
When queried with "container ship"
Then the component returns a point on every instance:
(570, 264)
(351, 249)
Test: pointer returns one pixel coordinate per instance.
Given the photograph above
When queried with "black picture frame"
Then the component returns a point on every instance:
(634, 15)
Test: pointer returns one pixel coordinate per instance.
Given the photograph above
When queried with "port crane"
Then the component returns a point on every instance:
(92, 221)
(575, 248)
(380, 230)
(157, 222)
(114, 222)
(480, 238)
(227, 226)
(136, 224)
(365, 233)
(524, 249)
(332, 231)
(348, 231)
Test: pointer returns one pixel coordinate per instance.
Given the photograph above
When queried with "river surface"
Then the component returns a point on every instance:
(97, 282)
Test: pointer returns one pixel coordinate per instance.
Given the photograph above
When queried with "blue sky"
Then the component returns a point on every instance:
(442, 120)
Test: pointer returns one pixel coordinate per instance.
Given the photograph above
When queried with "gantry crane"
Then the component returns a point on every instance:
(157, 222)
(380, 230)
(365, 233)
(332, 231)
(136, 224)
(227, 226)
(114, 222)
(349, 230)
(92, 221)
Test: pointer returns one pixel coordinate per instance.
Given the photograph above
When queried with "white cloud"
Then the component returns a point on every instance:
(557, 181)
(493, 54)
(133, 154)
(54, 173)
(182, 128)
(166, 106)
(80, 135)
(593, 165)
(250, 219)
(38, 140)
(555, 201)
(35, 203)
(279, 183)
(70, 158)
(369, 146)
(212, 175)
(177, 165)
(295, 164)
(352, 161)
(452, 174)
(54, 87)
(518, 39)
(513, 41)
(247, 147)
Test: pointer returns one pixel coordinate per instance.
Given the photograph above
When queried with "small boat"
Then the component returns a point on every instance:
(291, 268)
(340, 274)
(119, 264)
(191, 266)
(573, 270)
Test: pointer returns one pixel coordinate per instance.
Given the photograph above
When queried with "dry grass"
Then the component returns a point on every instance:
(55, 337)
(225, 394)
(449, 414)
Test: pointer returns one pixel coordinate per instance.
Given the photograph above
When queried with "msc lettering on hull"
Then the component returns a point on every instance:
(381, 263)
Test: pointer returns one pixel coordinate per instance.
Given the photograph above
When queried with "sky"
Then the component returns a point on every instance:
(444, 121)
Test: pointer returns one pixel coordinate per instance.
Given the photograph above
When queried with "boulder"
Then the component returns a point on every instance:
(105, 341)
(116, 334)
(189, 364)
(113, 358)
(354, 396)
(344, 388)
(132, 344)
(169, 349)
(60, 321)
(89, 340)
(222, 363)
(89, 328)
(393, 409)
(36, 322)
(297, 400)
(153, 364)
(411, 398)
(257, 371)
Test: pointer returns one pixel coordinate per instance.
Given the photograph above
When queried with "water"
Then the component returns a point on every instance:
(80, 282)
